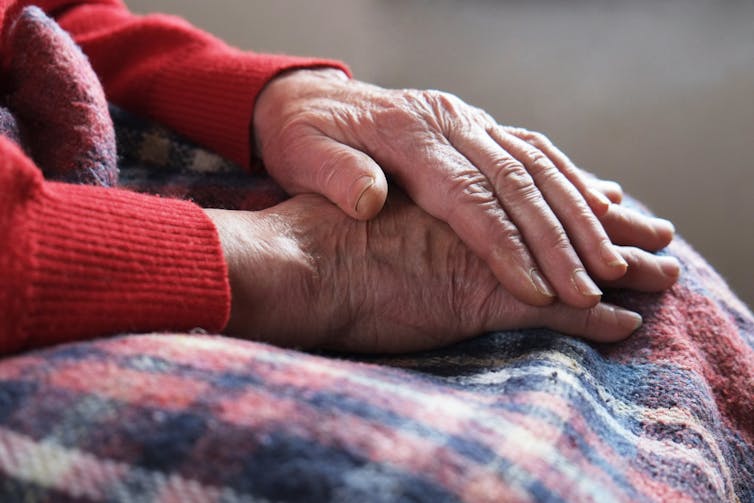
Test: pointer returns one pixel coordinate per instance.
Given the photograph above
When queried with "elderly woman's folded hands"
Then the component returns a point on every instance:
(305, 274)
(548, 232)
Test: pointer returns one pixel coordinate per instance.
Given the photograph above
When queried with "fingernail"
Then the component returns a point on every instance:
(540, 283)
(584, 284)
(611, 256)
(365, 183)
(665, 225)
(628, 319)
(670, 266)
(599, 196)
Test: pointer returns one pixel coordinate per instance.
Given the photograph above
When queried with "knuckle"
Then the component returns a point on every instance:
(483, 118)
(540, 163)
(510, 235)
(548, 176)
(453, 114)
(443, 100)
(470, 184)
(467, 190)
(511, 176)
(537, 139)
(556, 237)
(509, 241)
(431, 94)
(457, 128)
(430, 100)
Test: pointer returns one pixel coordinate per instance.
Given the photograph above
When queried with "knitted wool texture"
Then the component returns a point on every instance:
(79, 260)
(522, 415)
(82, 261)
(514, 416)
(527, 415)
(61, 113)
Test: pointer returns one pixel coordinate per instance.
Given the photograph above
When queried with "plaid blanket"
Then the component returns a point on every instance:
(529, 415)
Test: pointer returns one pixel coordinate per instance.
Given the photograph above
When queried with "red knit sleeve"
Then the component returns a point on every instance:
(83, 261)
(162, 67)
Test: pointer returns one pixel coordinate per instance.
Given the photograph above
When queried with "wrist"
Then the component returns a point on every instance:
(267, 270)
(237, 232)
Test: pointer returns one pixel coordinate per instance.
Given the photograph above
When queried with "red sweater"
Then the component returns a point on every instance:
(81, 261)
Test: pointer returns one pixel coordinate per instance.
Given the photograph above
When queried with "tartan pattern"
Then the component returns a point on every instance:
(154, 160)
(526, 415)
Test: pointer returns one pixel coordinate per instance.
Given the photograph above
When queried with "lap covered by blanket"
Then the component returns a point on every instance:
(529, 415)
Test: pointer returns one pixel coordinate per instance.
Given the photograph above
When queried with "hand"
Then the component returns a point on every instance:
(304, 274)
(541, 224)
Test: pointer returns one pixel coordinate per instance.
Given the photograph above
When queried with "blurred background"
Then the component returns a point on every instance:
(656, 95)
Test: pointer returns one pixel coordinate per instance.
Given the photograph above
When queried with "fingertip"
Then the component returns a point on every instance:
(598, 202)
(670, 267)
(665, 230)
(526, 284)
(628, 321)
(612, 190)
(604, 323)
(541, 285)
(611, 257)
(588, 294)
(614, 324)
(362, 189)
(529, 289)
(371, 194)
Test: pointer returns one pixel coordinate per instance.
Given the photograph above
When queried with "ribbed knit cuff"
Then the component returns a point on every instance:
(211, 93)
(107, 261)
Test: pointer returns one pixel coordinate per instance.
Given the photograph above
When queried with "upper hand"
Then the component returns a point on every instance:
(304, 274)
(515, 200)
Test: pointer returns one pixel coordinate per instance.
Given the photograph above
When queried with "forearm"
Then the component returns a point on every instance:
(162, 67)
(82, 261)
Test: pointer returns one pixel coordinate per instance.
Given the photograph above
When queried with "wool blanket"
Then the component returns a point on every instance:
(527, 415)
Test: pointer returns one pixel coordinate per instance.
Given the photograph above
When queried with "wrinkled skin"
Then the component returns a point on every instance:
(304, 274)
(543, 226)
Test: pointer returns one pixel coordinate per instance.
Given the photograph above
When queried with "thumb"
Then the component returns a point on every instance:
(348, 177)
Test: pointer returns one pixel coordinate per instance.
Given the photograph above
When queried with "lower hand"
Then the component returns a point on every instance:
(304, 274)
(542, 225)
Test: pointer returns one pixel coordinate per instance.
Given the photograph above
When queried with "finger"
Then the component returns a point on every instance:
(630, 228)
(592, 188)
(348, 177)
(487, 230)
(543, 233)
(579, 178)
(612, 190)
(460, 195)
(601, 323)
(647, 272)
(593, 245)
(627, 226)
